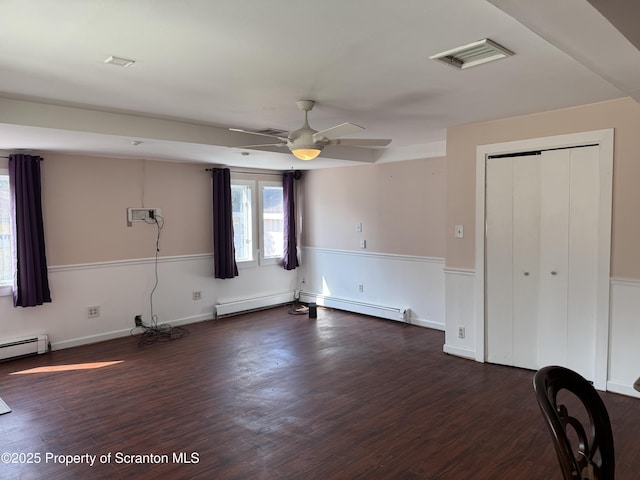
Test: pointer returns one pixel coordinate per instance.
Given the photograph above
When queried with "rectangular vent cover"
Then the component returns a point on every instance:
(271, 131)
(476, 53)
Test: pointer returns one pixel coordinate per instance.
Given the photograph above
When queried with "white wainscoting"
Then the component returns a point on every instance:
(624, 348)
(460, 313)
(624, 336)
(390, 284)
(122, 290)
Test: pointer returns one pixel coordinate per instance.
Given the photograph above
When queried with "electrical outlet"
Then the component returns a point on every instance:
(93, 312)
(138, 320)
(197, 295)
(361, 287)
(460, 332)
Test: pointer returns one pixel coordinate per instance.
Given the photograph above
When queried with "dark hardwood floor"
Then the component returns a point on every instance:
(268, 395)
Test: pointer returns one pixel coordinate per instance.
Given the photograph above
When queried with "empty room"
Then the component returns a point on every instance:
(315, 240)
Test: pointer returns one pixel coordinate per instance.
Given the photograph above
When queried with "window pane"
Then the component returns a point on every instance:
(242, 234)
(272, 222)
(6, 277)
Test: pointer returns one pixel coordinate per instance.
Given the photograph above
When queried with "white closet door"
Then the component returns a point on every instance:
(526, 259)
(583, 260)
(541, 259)
(554, 258)
(499, 267)
(513, 203)
(569, 259)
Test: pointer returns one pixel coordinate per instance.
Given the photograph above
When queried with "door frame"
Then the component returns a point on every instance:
(604, 139)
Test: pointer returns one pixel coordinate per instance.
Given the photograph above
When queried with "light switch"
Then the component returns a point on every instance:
(459, 231)
(359, 227)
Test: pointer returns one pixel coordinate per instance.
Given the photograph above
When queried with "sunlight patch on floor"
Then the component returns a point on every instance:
(66, 368)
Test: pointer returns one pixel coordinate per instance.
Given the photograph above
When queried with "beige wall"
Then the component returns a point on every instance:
(400, 206)
(85, 201)
(622, 115)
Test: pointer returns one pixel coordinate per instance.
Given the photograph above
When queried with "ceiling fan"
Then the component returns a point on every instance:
(307, 143)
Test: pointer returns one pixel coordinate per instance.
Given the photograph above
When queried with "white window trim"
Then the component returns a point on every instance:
(5, 290)
(254, 253)
(261, 184)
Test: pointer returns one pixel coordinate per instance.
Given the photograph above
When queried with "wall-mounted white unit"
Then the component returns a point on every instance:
(21, 347)
(135, 214)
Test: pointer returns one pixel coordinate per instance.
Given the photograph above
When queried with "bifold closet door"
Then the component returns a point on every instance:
(512, 253)
(569, 259)
(499, 261)
(541, 259)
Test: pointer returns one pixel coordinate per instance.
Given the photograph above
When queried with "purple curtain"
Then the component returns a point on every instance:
(224, 253)
(31, 284)
(289, 229)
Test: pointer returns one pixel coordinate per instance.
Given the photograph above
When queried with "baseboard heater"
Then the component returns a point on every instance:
(23, 347)
(250, 304)
(399, 314)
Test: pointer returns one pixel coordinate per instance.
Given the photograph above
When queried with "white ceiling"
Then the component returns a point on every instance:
(205, 65)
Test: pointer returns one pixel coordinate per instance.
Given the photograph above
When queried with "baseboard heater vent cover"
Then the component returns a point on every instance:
(22, 347)
(250, 304)
(399, 314)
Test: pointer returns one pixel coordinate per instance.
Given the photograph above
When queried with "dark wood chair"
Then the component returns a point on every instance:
(583, 440)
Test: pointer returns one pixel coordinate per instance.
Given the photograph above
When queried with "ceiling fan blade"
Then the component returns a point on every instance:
(338, 131)
(284, 139)
(362, 142)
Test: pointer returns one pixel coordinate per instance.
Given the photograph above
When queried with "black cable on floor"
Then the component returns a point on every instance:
(157, 333)
(161, 333)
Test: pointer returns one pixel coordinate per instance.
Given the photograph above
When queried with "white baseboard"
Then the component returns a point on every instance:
(76, 342)
(427, 324)
(622, 389)
(459, 351)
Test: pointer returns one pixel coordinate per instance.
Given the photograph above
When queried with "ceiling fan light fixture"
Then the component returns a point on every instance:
(306, 153)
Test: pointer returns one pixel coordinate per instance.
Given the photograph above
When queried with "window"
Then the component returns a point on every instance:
(258, 221)
(272, 222)
(242, 207)
(6, 259)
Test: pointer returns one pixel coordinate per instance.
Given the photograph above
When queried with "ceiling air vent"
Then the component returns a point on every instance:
(475, 53)
(274, 132)
(119, 61)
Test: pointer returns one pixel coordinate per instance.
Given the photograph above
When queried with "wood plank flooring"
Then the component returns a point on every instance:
(271, 396)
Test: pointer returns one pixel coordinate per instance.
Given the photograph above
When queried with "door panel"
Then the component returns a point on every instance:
(499, 232)
(583, 261)
(554, 258)
(526, 259)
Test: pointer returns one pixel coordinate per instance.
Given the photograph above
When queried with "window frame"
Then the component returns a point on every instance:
(257, 183)
(254, 254)
(261, 185)
(7, 289)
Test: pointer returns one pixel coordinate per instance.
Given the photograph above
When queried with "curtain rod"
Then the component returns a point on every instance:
(248, 173)
(2, 156)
